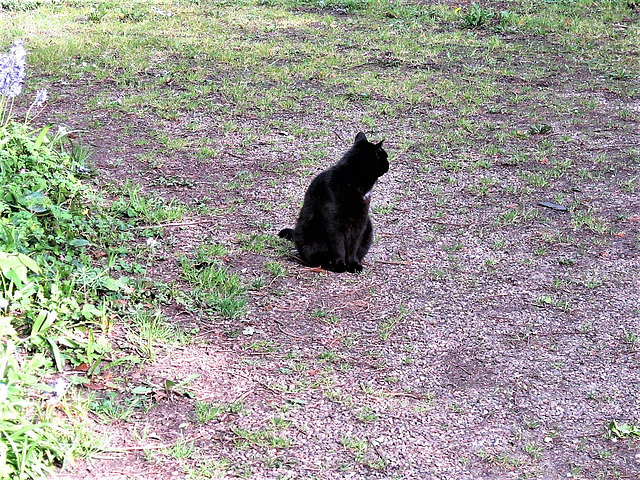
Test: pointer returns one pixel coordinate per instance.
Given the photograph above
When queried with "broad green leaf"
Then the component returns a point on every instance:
(35, 202)
(17, 275)
(89, 311)
(79, 242)
(57, 355)
(43, 322)
(6, 329)
(29, 263)
(112, 284)
(42, 136)
(51, 317)
(25, 292)
(9, 262)
(35, 328)
(14, 267)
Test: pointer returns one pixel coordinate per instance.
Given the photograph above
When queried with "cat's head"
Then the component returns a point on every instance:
(373, 156)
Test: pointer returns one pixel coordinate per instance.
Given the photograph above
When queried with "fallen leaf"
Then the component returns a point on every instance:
(96, 386)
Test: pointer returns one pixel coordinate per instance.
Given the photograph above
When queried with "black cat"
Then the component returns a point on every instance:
(334, 228)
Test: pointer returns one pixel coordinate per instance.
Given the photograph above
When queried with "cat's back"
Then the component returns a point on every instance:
(323, 187)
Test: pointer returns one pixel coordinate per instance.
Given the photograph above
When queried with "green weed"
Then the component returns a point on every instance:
(476, 16)
(361, 449)
(587, 219)
(534, 450)
(367, 415)
(261, 438)
(622, 430)
(98, 12)
(275, 268)
(111, 408)
(540, 129)
(134, 204)
(516, 216)
(261, 243)
(630, 337)
(216, 468)
(214, 287)
(325, 316)
(206, 412)
(386, 327)
(147, 329)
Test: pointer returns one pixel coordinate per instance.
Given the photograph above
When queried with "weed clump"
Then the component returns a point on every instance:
(476, 16)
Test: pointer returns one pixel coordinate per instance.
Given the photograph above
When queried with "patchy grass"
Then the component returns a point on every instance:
(479, 306)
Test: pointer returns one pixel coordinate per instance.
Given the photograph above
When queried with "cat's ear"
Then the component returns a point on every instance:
(361, 137)
(379, 144)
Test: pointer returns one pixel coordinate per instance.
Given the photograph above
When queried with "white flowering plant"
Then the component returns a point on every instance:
(13, 70)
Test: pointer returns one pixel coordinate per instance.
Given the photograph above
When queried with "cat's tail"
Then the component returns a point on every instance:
(286, 233)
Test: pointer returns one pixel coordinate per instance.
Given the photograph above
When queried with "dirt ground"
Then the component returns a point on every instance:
(479, 378)
(488, 337)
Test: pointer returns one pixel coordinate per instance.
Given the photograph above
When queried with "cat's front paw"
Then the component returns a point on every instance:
(337, 267)
(340, 267)
(354, 267)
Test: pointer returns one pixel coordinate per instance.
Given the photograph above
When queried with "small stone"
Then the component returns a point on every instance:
(249, 331)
